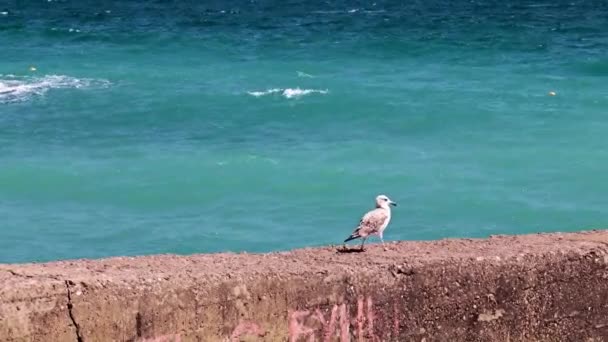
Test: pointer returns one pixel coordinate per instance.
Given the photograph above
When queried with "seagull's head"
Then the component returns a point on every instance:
(383, 201)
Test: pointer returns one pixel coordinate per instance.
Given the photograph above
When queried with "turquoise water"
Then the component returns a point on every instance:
(190, 127)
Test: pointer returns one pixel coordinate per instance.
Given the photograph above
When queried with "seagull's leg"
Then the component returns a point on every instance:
(363, 242)
(382, 239)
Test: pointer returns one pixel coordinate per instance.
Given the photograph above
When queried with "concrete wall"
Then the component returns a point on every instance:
(551, 287)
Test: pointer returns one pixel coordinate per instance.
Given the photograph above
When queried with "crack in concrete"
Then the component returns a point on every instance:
(19, 274)
(36, 276)
(70, 306)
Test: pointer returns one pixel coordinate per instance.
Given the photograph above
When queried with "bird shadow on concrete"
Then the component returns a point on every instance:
(345, 250)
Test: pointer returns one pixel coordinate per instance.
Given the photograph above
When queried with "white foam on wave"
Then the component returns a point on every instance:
(297, 92)
(265, 92)
(351, 11)
(20, 88)
(288, 93)
(303, 74)
(70, 30)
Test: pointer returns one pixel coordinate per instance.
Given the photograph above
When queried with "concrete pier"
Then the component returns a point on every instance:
(541, 287)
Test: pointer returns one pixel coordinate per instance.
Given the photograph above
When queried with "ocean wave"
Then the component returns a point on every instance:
(303, 74)
(71, 29)
(288, 93)
(350, 11)
(21, 88)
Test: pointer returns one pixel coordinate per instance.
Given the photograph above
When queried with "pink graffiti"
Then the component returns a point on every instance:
(339, 318)
(246, 328)
(360, 318)
(331, 327)
(370, 319)
(365, 317)
(344, 324)
(297, 327)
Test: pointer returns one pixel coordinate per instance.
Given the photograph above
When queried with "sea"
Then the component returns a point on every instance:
(151, 127)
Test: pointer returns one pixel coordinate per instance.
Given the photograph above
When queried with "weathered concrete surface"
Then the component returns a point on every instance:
(549, 287)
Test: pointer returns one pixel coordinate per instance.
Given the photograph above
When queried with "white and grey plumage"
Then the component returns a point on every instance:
(374, 222)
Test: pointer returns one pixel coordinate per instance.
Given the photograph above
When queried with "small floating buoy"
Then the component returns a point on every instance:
(552, 93)
(33, 69)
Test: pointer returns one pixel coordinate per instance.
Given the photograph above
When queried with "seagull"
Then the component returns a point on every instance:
(375, 221)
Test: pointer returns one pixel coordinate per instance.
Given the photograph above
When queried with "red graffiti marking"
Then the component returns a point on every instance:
(246, 328)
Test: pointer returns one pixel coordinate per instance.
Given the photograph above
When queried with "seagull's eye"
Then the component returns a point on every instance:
(386, 199)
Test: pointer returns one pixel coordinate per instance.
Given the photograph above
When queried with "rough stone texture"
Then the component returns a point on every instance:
(544, 287)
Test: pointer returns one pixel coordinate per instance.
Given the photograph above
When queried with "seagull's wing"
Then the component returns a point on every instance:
(369, 224)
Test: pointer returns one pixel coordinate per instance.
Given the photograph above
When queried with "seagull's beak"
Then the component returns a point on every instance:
(393, 204)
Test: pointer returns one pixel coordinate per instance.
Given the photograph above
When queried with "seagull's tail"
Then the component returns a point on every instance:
(352, 237)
